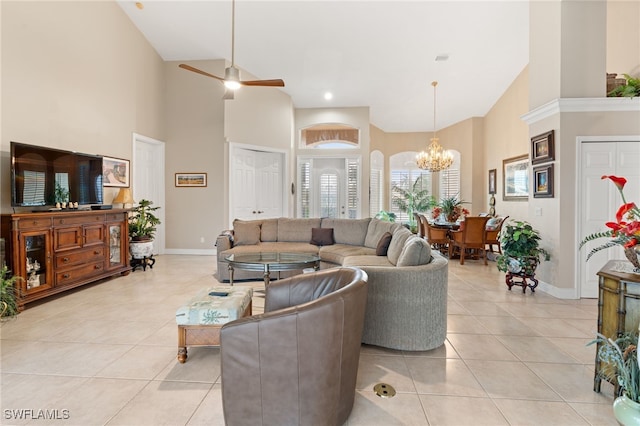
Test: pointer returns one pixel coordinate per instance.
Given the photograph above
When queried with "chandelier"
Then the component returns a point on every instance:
(434, 158)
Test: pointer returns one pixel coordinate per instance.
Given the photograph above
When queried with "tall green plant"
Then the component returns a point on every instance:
(8, 293)
(415, 198)
(621, 362)
(142, 222)
(519, 241)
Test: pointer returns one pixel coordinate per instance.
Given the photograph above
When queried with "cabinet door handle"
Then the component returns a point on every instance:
(97, 267)
(65, 276)
(61, 221)
(65, 259)
(96, 252)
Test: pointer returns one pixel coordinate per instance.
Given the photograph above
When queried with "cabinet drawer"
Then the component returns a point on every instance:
(81, 272)
(95, 254)
(37, 222)
(78, 219)
(115, 217)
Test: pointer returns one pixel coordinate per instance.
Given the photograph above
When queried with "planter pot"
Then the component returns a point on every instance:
(633, 254)
(526, 266)
(626, 412)
(140, 249)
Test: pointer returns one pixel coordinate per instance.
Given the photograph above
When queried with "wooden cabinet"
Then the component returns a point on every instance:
(57, 251)
(618, 306)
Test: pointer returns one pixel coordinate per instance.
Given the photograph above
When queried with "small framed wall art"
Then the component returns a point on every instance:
(115, 172)
(543, 181)
(542, 149)
(191, 179)
(492, 181)
(515, 175)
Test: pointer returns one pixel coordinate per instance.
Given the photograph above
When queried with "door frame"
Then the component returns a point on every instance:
(160, 240)
(233, 147)
(580, 140)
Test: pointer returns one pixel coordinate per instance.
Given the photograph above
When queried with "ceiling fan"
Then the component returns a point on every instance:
(231, 78)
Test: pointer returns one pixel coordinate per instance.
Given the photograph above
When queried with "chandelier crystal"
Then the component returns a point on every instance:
(434, 158)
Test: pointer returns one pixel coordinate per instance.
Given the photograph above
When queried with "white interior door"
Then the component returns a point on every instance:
(148, 180)
(600, 200)
(256, 184)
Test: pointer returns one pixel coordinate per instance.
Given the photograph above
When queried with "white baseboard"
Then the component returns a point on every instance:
(192, 252)
(560, 293)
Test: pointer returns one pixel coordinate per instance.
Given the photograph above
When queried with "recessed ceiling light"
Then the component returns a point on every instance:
(139, 5)
(442, 57)
(328, 96)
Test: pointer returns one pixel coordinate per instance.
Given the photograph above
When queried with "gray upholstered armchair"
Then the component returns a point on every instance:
(297, 363)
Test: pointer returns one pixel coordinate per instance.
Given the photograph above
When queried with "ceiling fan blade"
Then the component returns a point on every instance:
(196, 70)
(271, 83)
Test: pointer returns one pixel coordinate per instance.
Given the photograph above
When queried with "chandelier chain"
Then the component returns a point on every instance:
(434, 158)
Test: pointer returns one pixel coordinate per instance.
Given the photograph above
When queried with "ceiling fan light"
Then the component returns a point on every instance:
(231, 84)
(232, 78)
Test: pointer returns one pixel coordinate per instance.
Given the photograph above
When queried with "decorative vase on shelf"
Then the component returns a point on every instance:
(626, 411)
(633, 254)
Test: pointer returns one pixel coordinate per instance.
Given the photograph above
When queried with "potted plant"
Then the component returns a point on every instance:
(412, 199)
(451, 208)
(619, 359)
(625, 231)
(521, 252)
(386, 216)
(8, 293)
(630, 89)
(142, 228)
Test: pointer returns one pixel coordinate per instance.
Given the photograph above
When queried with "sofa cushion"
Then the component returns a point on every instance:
(400, 235)
(269, 230)
(272, 247)
(367, 260)
(322, 236)
(348, 231)
(383, 244)
(416, 251)
(246, 233)
(339, 252)
(296, 230)
(376, 230)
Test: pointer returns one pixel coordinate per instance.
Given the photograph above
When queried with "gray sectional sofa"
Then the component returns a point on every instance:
(407, 297)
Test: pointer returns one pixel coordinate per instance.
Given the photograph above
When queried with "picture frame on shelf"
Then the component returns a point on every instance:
(515, 175)
(542, 148)
(115, 172)
(492, 181)
(191, 179)
(543, 181)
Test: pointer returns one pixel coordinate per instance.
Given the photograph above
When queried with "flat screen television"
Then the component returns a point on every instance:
(43, 176)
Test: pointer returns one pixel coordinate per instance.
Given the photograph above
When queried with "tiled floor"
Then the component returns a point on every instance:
(106, 354)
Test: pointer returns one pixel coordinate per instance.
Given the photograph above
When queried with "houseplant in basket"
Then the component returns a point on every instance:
(625, 231)
(142, 227)
(8, 293)
(619, 359)
(521, 251)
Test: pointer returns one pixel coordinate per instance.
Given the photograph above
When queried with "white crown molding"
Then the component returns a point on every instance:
(561, 105)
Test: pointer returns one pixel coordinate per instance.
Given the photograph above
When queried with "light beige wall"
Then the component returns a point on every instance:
(623, 37)
(76, 76)
(507, 136)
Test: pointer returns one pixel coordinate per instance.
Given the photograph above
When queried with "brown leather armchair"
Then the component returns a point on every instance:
(470, 236)
(297, 363)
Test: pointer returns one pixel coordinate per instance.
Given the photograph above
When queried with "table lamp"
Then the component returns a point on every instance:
(124, 196)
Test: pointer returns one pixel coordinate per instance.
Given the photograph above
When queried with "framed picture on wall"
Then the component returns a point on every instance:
(492, 181)
(515, 174)
(115, 172)
(191, 179)
(543, 181)
(542, 148)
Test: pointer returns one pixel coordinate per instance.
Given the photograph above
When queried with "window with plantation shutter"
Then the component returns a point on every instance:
(376, 182)
(353, 188)
(450, 178)
(304, 191)
(406, 177)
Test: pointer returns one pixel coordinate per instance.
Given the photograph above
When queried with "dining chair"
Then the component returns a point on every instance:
(492, 231)
(416, 217)
(438, 238)
(470, 236)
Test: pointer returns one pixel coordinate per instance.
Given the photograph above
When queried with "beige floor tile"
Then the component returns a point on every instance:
(375, 369)
(535, 349)
(573, 383)
(471, 346)
(166, 335)
(466, 324)
(162, 403)
(484, 308)
(443, 376)
(534, 413)
(504, 379)
(461, 411)
(577, 348)
(558, 328)
(444, 351)
(141, 362)
(210, 412)
(203, 365)
(372, 410)
(596, 414)
(506, 325)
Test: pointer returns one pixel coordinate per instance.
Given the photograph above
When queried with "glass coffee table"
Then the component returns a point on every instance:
(271, 262)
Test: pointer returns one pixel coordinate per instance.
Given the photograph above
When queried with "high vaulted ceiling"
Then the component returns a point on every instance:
(380, 54)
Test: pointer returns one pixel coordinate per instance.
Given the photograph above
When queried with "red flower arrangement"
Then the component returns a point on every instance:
(625, 231)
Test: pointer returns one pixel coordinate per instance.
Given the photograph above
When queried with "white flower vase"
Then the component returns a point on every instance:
(626, 411)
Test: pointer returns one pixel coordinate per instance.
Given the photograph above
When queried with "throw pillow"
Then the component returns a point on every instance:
(383, 244)
(246, 233)
(493, 223)
(322, 236)
(416, 251)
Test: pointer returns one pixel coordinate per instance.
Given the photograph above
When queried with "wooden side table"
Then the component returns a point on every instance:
(618, 307)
